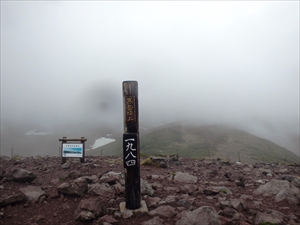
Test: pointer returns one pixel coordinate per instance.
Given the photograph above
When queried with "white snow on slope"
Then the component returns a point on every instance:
(102, 141)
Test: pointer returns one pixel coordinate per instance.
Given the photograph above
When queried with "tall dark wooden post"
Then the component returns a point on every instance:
(131, 145)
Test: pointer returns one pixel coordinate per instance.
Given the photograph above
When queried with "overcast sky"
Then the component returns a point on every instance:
(231, 62)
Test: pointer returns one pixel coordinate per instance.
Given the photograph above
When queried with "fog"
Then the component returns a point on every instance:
(232, 62)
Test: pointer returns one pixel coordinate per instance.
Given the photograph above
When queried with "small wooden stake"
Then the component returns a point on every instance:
(131, 145)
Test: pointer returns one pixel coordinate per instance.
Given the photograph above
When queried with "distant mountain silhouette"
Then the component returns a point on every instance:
(206, 141)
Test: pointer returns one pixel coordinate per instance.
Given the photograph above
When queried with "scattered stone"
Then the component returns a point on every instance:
(272, 188)
(66, 165)
(22, 175)
(74, 188)
(188, 189)
(32, 193)
(214, 190)
(164, 211)
(89, 209)
(146, 188)
(185, 178)
(112, 178)
(231, 195)
(154, 221)
(204, 215)
(152, 202)
(274, 217)
(106, 219)
(103, 189)
(12, 199)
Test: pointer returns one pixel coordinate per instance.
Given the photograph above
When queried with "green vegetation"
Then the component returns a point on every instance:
(113, 161)
(16, 157)
(147, 161)
(224, 191)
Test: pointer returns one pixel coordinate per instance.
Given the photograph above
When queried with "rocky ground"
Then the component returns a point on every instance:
(41, 190)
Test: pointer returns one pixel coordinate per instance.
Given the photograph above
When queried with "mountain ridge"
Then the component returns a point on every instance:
(205, 141)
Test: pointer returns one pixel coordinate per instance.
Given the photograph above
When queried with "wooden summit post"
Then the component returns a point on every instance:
(131, 145)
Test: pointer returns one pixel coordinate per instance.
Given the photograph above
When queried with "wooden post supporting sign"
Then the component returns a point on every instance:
(131, 145)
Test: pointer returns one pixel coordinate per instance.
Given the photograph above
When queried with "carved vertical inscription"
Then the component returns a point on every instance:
(130, 151)
(130, 109)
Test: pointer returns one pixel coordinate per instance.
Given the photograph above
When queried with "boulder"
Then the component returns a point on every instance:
(274, 217)
(152, 202)
(287, 194)
(32, 193)
(185, 178)
(154, 221)
(103, 189)
(188, 189)
(112, 178)
(272, 188)
(78, 187)
(204, 215)
(89, 209)
(146, 188)
(214, 190)
(106, 219)
(12, 199)
(22, 175)
(164, 211)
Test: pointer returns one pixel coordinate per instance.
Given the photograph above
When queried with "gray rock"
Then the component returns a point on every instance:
(169, 200)
(119, 189)
(152, 202)
(89, 209)
(146, 188)
(228, 212)
(22, 175)
(272, 188)
(214, 190)
(296, 182)
(85, 215)
(12, 199)
(66, 165)
(164, 211)
(186, 201)
(32, 193)
(78, 187)
(287, 194)
(159, 161)
(157, 177)
(112, 178)
(224, 204)
(274, 217)
(108, 219)
(204, 215)
(188, 189)
(153, 221)
(185, 178)
(103, 189)
(239, 204)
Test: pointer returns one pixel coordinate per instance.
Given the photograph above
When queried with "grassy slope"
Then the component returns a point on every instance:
(215, 141)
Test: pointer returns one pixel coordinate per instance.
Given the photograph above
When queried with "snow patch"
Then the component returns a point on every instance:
(102, 141)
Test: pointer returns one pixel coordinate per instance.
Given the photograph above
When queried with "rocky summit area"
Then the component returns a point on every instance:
(176, 191)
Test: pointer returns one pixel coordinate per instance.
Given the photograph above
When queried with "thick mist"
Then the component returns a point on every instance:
(63, 64)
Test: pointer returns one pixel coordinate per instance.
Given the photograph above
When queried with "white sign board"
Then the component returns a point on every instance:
(72, 150)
